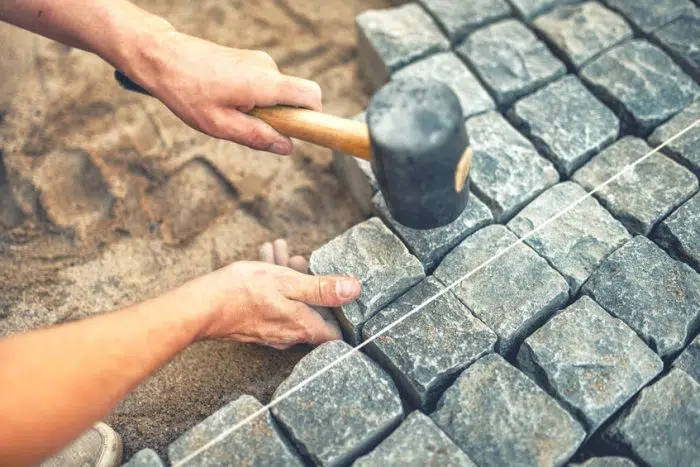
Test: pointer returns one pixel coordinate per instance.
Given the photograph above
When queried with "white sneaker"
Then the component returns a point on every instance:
(100, 446)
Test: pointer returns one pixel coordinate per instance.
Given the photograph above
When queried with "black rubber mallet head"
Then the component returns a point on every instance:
(414, 136)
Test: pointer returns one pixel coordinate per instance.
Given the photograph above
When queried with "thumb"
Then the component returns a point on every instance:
(326, 291)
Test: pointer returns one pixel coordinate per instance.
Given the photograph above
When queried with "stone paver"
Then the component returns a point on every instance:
(578, 241)
(655, 295)
(589, 361)
(458, 19)
(489, 412)
(392, 38)
(648, 15)
(145, 458)
(514, 294)
(662, 426)
(448, 68)
(528, 9)
(642, 195)
(256, 443)
(370, 252)
(344, 412)
(681, 39)
(582, 32)
(510, 60)
(689, 360)
(641, 83)
(685, 149)
(607, 462)
(428, 349)
(507, 172)
(679, 233)
(566, 123)
(418, 441)
(431, 245)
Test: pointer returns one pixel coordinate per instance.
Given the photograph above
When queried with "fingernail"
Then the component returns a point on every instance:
(345, 289)
(281, 147)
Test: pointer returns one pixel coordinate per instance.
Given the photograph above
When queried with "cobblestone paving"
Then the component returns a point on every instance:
(579, 345)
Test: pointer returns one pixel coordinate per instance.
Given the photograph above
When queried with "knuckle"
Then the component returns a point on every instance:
(254, 138)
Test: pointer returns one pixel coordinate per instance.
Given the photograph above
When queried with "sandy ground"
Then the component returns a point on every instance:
(106, 198)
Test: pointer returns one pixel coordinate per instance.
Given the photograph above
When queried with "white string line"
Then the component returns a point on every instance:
(357, 348)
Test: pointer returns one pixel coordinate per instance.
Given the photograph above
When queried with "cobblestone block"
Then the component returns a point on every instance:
(431, 245)
(648, 15)
(607, 462)
(681, 39)
(686, 148)
(145, 458)
(577, 242)
(528, 9)
(582, 32)
(510, 60)
(392, 38)
(448, 68)
(643, 194)
(655, 295)
(344, 412)
(689, 360)
(641, 83)
(589, 361)
(679, 233)
(566, 123)
(458, 19)
(418, 441)
(498, 416)
(662, 426)
(514, 294)
(507, 172)
(257, 443)
(427, 350)
(370, 252)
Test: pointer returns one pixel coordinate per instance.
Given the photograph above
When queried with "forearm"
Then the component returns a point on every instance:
(56, 382)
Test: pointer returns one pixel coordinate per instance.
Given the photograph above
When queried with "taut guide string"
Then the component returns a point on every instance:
(357, 348)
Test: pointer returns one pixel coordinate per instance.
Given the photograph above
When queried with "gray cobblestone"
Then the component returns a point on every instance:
(257, 443)
(145, 458)
(686, 148)
(582, 32)
(512, 295)
(681, 39)
(427, 350)
(641, 83)
(458, 19)
(679, 233)
(662, 426)
(510, 60)
(418, 441)
(507, 172)
(431, 245)
(528, 9)
(607, 462)
(689, 360)
(344, 412)
(648, 15)
(577, 242)
(566, 123)
(370, 252)
(643, 194)
(655, 295)
(489, 411)
(591, 362)
(448, 68)
(390, 39)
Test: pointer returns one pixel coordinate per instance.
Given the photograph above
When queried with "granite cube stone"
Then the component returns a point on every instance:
(427, 350)
(681, 40)
(577, 242)
(655, 295)
(448, 68)
(661, 428)
(566, 123)
(145, 458)
(431, 245)
(648, 15)
(510, 60)
(498, 416)
(679, 233)
(641, 195)
(256, 443)
(344, 412)
(608, 462)
(390, 39)
(685, 149)
(689, 360)
(589, 361)
(458, 19)
(580, 33)
(418, 441)
(641, 83)
(528, 9)
(370, 252)
(507, 172)
(514, 294)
